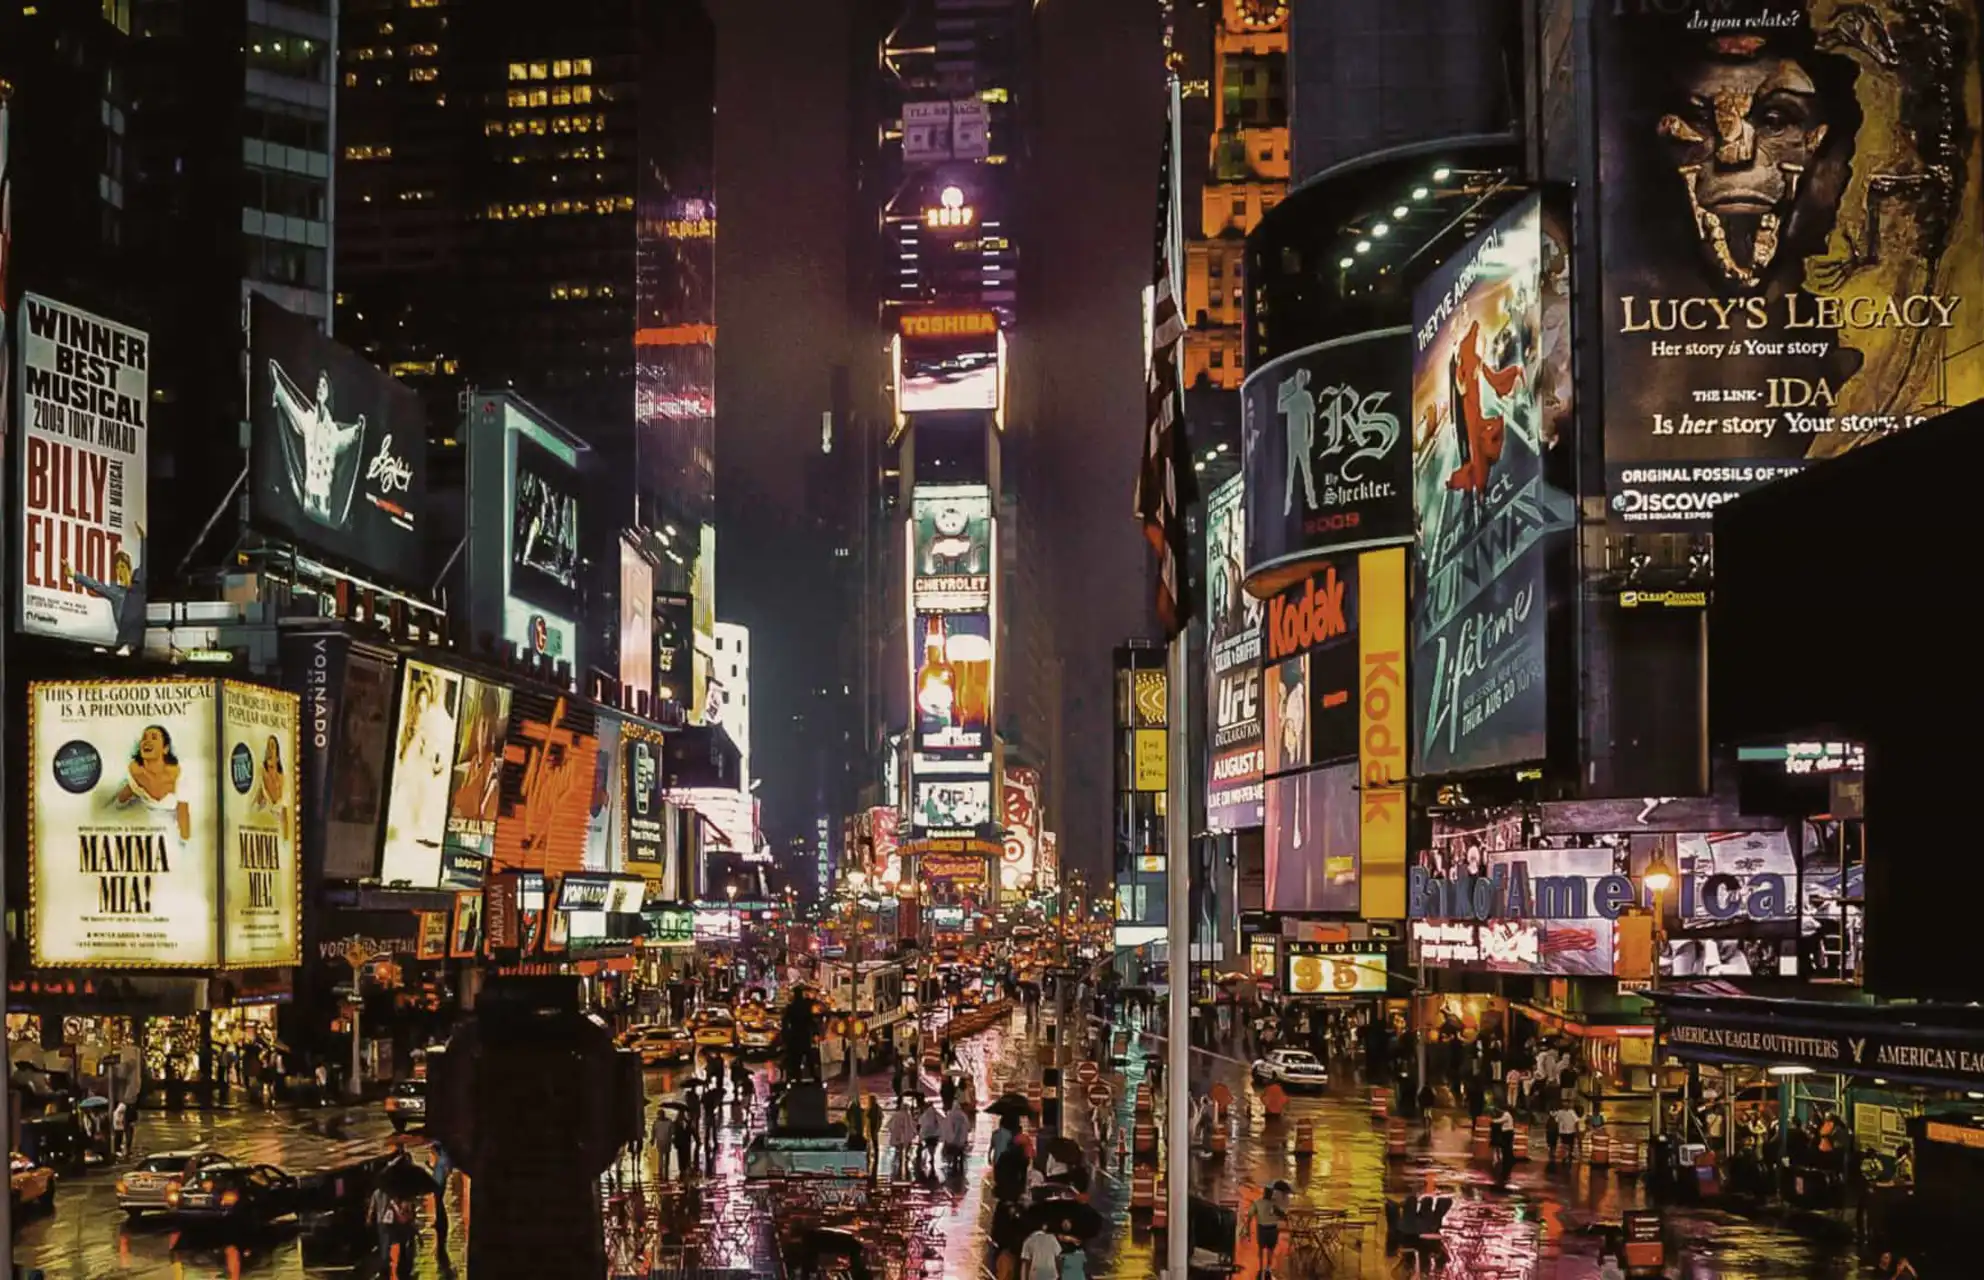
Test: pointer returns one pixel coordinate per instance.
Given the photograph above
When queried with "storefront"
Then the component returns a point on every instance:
(1825, 1105)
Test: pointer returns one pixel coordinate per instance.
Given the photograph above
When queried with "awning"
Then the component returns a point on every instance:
(1934, 1046)
(1565, 1024)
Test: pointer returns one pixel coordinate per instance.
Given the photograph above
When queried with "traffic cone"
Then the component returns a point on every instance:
(1395, 1138)
(1482, 1143)
(1305, 1137)
(1522, 1142)
(1626, 1161)
(1143, 1185)
(1600, 1147)
(1381, 1102)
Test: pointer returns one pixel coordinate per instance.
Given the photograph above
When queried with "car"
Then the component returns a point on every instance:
(658, 1046)
(235, 1193)
(713, 1028)
(1291, 1069)
(757, 1037)
(406, 1105)
(146, 1189)
(30, 1185)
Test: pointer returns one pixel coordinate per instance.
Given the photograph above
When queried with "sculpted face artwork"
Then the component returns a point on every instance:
(1743, 138)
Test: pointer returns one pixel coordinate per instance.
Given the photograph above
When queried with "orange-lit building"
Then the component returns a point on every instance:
(1246, 174)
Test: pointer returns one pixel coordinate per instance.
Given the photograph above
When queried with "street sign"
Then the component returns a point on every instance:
(1087, 1072)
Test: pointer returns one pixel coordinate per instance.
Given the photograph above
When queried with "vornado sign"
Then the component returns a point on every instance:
(1509, 892)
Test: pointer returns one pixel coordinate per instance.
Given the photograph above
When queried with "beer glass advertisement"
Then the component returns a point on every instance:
(1021, 804)
(954, 684)
(948, 804)
(1490, 402)
(951, 539)
(261, 894)
(121, 803)
(338, 451)
(1323, 446)
(1790, 227)
(85, 399)
(1312, 836)
(475, 783)
(1235, 759)
(1310, 635)
(423, 768)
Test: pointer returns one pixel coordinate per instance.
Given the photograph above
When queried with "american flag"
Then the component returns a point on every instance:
(1165, 484)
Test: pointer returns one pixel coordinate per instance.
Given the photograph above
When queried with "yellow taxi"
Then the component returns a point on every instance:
(713, 1028)
(659, 1046)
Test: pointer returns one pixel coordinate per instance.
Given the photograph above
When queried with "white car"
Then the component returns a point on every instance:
(1291, 1069)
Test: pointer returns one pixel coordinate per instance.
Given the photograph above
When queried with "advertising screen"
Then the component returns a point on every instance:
(1733, 910)
(954, 684)
(1022, 821)
(1323, 446)
(358, 769)
(605, 817)
(261, 894)
(544, 549)
(946, 376)
(704, 708)
(1312, 840)
(674, 647)
(85, 399)
(548, 768)
(636, 619)
(417, 797)
(951, 540)
(953, 804)
(1791, 236)
(1311, 682)
(338, 451)
(1333, 968)
(1235, 758)
(1382, 732)
(122, 820)
(1538, 911)
(1832, 900)
(646, 802)
(474, 785)
(1490, 399)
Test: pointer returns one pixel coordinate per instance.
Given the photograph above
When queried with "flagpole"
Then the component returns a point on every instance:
(1178, 837)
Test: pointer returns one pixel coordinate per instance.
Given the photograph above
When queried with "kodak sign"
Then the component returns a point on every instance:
(1381, 732)
(1309, 617)
(949, 324)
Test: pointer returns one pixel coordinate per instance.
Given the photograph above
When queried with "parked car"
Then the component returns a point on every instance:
(1291, 1069)
(406, 1105)
(234, 1193)
(30, 1186)
(148, 1188)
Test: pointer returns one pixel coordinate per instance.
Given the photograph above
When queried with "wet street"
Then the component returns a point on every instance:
(1542, 1226)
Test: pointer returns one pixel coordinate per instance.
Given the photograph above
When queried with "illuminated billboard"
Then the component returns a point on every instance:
(1311, 659)
(1489, 406)
(83, 449)
(1021, 814)
(474, 783)
(954, 684)
(1333, 968)
(417, 797)
(549, 764)
(1311, 846)
(1234, 760)
(952, 804)
(338, 451)
(524, 550)
(261, 890)
(637, 640)
(1791, 221)
(951, 548)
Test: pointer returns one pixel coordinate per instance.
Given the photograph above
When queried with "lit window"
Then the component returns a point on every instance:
(562, 69)
(492, 128)
(385, 28)
(351, 79)
(537, 127)
(993, 95)
(518, 71)
(517, 98)
(423, 4)
(561, 97)
(624, 203)
(582, 66)
(582, 94)
(561, 124)
(422, 75)
(423, 50)
(537, 71)
(539, 98)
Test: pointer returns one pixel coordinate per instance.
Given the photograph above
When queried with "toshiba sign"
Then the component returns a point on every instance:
(949, 324)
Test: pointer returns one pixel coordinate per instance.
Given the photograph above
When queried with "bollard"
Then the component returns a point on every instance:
(1600, 1148)
(1381, 1102)
(1483, 1129)
(1395, 1138)
(1143, 1185)
(1305, 1137)
(1626, 1159)
(1160, 1207)
(1522, 1141)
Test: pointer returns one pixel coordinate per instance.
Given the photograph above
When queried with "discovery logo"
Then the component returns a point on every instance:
(1684, 497)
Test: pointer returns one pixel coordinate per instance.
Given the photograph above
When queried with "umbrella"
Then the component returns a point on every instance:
(1067, 1218)
(402, 1177)
(1067, 1151)
(675, 1105)
(1013, 1104)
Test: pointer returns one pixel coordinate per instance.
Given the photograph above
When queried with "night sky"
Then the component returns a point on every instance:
(784, 69)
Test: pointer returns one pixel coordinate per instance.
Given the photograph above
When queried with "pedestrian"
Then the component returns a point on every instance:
(1896, 1266)
(692, 1120)
(957, 1132)
(662, 1135)
(741, 1086)
(1268, 1212)
(443, 1167)
(396, 1219)
(929, 1132)
(120, 1131)
(898, 1079)
(1505, 1143)
(874, 1135)
(902, 1137)
(1570, 1119)
(1040, 1256)
(684, 1133)
(1005, 1135)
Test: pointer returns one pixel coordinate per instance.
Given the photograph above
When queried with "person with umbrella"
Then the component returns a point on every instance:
(902, 1136)
(394, 1209)
(1071, 1223)
(929, 1132)
(685, 1135)
(1268, 1213)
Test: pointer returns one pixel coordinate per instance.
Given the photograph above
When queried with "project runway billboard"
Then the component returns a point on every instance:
(1791, 237)
(1235, 794)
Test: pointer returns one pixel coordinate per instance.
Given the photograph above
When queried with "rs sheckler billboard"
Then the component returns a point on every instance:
(1235, 793)
(1326, 454)
(1490, 406)
(1791, 238)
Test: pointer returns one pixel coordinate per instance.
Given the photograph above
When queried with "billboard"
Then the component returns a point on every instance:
(948, 375)
(548, 768)
(1382, 732)
(1536, 911)
(953, 684)
(952, 804)
(1021, 815)
(1488, 405)
(1235, 756)
(85, 399)
(1312, 840)
(674, 647)
(121, 803)
(420, 788)
(1328, 464)
(524, 549)
(1789, 217)
(261, 890)
(338, 450)
(474, 783)
(951, 548)
(704, 709)
(347, 720)
(1333, 968)
(1311, 676)
(606, 818)
(636, 619)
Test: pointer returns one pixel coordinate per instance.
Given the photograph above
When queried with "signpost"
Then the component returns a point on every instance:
(358, 952)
